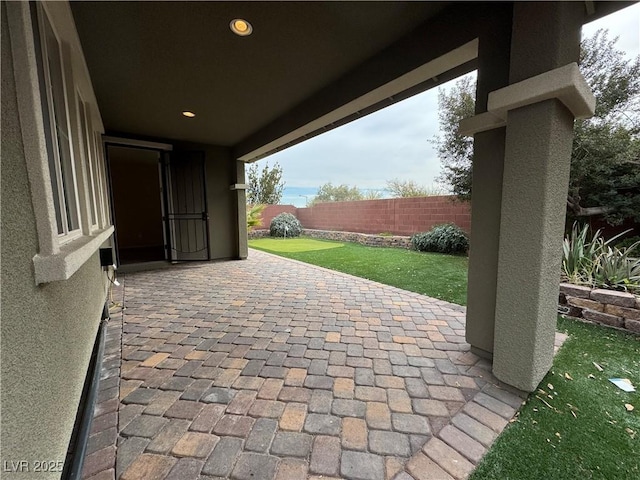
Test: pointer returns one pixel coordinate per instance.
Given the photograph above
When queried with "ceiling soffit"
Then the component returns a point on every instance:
(149, 61)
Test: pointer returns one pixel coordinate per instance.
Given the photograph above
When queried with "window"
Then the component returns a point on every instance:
(102, 181)
(60, 126)
(61, 166)
(90, 161)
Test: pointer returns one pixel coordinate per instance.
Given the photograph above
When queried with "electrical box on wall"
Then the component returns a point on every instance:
(106, 257)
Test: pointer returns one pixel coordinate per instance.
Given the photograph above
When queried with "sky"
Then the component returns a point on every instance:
(395, 142)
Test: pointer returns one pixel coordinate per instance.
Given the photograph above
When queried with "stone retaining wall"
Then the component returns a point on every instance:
(258, 233)
(396, 241)
(608, 307)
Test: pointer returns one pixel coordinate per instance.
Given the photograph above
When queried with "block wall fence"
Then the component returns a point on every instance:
(399, 216)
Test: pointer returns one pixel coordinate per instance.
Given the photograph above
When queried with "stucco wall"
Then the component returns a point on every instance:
(400, 216)
(47, 332)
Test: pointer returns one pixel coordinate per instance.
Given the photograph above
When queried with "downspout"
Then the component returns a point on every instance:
(80, 437)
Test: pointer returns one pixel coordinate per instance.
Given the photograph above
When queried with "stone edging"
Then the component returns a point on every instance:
(608, 307)
(397, 241)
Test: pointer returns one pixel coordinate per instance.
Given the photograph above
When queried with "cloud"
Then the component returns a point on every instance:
(624, 24)
(391, 143)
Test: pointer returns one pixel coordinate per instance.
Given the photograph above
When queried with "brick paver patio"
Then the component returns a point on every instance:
(273, 369)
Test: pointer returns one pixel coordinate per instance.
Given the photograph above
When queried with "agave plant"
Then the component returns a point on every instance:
(584, 258)
(578, 252)
(617, 269)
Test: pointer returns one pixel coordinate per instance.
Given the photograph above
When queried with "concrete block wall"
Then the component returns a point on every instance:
(399, 216)
(273, 211)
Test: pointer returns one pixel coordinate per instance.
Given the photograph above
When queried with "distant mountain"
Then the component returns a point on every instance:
(300, 196)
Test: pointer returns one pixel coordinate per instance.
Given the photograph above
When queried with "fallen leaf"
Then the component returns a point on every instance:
(567, 376)
(546, 403)
(629, 407)
(600, 369)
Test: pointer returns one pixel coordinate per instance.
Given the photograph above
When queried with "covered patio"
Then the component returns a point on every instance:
(171, 91)
(271, 368)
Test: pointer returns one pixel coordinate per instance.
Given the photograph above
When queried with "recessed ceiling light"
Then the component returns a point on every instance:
(189, 114)
(241, 27)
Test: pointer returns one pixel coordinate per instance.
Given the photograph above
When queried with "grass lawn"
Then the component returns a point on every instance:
(602, 440)
(433, 274)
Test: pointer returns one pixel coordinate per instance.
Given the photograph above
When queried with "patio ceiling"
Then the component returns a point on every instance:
(307, 67)
(149, 61)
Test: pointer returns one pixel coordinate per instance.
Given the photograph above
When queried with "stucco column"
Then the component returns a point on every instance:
(538, 140)
(486, 205)
(241, 202)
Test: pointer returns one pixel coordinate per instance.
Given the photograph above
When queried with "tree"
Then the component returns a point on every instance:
(266, 186)
(409, 188)
(454, 150)
(605, 160)
(339, 193)
(371, 194)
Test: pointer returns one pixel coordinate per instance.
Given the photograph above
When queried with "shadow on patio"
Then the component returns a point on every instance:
(270, 368)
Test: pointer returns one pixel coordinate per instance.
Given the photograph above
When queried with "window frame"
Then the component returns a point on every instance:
(54, 124)
(102, 179)
(89, 163)
(55, 258)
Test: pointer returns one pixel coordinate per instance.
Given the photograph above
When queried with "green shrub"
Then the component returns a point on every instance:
(578, 254)
(592, 261)
(447, 238)
(254, 215)
(617, 269)
(285, 225)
